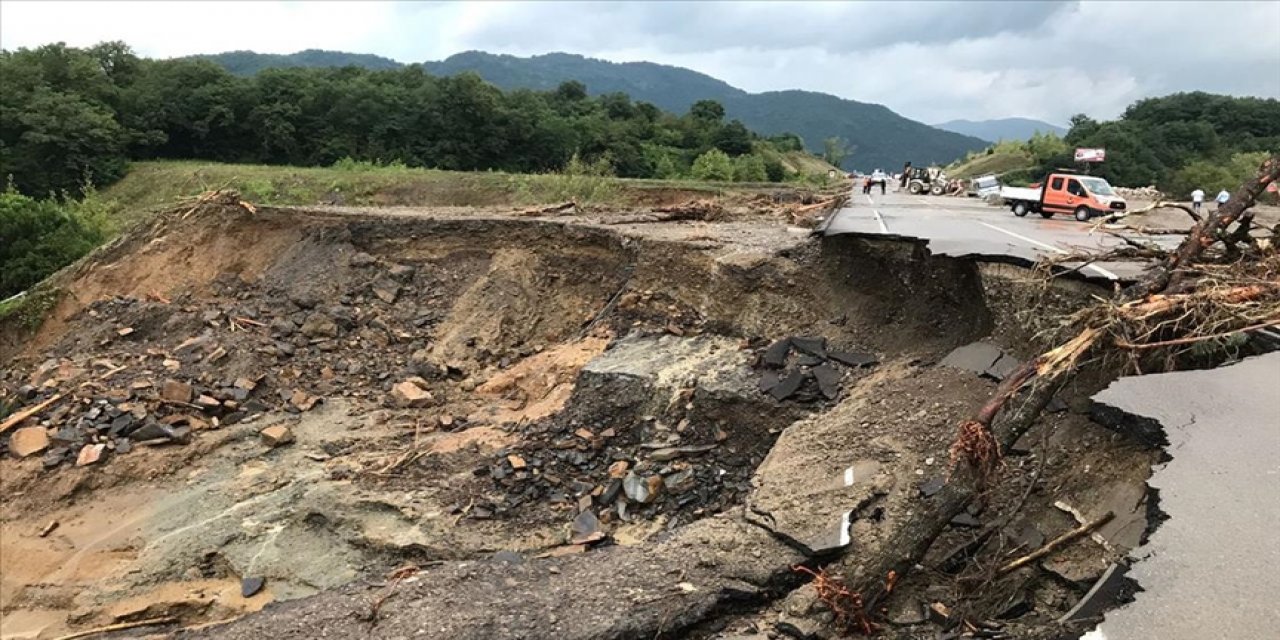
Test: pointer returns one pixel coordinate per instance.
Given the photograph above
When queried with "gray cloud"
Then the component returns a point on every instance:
(931, 61)
(686, 27)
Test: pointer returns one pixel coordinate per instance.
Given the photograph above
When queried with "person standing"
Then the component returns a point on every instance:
(1223, 197)
(1197, 199)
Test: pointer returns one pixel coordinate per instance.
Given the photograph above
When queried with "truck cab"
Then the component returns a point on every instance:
(1081, 196)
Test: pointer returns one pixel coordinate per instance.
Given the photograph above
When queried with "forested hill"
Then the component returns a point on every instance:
(876, 136)
(247, 63)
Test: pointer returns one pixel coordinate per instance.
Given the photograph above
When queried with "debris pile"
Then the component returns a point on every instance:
(800, 368)
(1140, 193)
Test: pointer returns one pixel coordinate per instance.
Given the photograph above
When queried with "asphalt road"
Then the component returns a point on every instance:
(1212, 570)
(970, 227)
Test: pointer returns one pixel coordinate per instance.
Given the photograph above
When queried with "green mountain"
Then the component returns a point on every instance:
(878, 137)
(1001, 128)
(247, 63)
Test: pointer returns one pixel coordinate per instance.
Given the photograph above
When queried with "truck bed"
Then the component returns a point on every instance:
(1019, 193)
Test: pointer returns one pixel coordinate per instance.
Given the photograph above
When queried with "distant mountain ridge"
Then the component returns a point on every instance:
(247, 63)
(878, 137)
(1001, 128)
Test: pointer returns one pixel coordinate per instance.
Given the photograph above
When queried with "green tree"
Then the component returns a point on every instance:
(714, 165)
(707, 111)
(834, 150)
(733, 139)
(38, 237)
(749, 168)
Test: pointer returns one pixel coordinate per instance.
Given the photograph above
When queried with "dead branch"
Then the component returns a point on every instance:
(1055, 544)
(845, 604)
(1123, 344)
(563, 207)
(1205, 233)
(118, 627)
(1159, 204)
(18, 417)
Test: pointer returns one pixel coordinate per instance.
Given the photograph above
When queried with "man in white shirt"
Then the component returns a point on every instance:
(1197, 198)
(1223, 197)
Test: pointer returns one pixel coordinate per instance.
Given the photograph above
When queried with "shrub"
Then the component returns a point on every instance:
(38, 237)
(714, 165)
(749, 168)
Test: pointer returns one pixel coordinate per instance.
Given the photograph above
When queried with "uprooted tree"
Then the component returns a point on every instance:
(1222, 280)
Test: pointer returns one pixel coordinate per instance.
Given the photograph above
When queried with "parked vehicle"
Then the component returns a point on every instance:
(931, 180)
(1081, 196)
(984, 186)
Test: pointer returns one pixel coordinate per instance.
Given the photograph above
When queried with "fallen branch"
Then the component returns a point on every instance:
(119, 627)
(18, 417)
(1056, 543)
(1194, 339)
(571, 205)
(1159, 204)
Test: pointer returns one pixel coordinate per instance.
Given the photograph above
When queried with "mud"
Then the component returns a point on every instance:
(568, 362)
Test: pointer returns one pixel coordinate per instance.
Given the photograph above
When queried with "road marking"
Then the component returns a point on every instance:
(884, 228)
(1102, 272)
(869, 200)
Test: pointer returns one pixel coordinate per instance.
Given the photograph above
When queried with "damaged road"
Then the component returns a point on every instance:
(578, 430)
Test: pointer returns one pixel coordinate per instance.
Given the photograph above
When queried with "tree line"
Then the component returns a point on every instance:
(71, 116)
(1177, 142)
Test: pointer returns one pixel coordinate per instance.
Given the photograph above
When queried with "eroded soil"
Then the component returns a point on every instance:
(584, 425)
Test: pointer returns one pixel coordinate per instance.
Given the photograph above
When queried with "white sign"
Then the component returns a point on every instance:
(1091, 155)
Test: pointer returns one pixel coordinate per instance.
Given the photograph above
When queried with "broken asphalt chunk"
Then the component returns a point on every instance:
(854, 359)
(966, 520)
(932, 486)
(977, 357)
(814, 346)
(776, 355)
(787, 386)
(828, 380)
(768, 381)
(1100, 597)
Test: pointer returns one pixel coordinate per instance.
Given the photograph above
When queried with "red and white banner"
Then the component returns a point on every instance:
(1091, 155)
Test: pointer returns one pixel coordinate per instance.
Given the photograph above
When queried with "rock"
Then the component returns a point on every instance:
(361, 259)
(586, 529)
(302, 400)
(306, 298)
(640, 489)
(932, 486)
(828, 380)
(787, 386)
(966, 520)
(28, 441)
(611, 492)
(90, 454)
(344, 317)
(250, 587)
(681, 482)
(1016, 606)
(907, 612)
(386, 290)
(516, 462)
(401, 272)
(153, 431)
(618, 469)
(208, 403)
(508, 557)
(319, 325)
(54, 457)
(776, 355)
(939, 614)
(801, 628)
(407, 395)
(283, 327)
(276, 435)
(176, 391)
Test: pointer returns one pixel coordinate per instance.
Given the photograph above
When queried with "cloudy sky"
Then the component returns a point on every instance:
(931, 61)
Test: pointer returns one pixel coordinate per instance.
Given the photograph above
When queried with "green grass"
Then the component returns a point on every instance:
(28, 311)
(998, 163)
(160, 184)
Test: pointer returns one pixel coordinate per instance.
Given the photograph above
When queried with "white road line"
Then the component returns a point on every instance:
(884, 228)
(1102, 272)
(869, 200)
